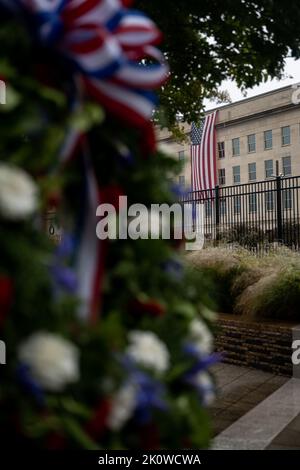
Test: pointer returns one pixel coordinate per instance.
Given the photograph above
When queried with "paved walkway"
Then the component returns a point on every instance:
(288, 438)
(255, 410)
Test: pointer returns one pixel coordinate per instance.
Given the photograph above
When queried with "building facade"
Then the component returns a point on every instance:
(254, 137)
(257, 140)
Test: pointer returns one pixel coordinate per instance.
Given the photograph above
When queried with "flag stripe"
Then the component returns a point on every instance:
(203, 154)
(213, 159)
(209, 161)
(206, 165)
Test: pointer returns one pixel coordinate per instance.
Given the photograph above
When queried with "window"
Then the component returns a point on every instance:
(252, 171)
(236, 173)
(287, 199)
(236, 147)
(208, 208)
(252, 202)
(222, 176)
(286, 166)
(285, 135)
(269, 168)
(181, 155)
(182, 181)
(237, 205)
(251, 143)
(268, 139)
(223, 207)
(221, 149)
(269, 201)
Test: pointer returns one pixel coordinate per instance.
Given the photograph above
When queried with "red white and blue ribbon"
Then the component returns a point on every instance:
(108, 46)
(89, 251)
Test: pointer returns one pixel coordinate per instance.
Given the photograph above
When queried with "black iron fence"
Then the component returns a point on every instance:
(256, 215)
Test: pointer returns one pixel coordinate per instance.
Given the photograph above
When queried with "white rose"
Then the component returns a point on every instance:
(204, 382)
(147, 349)
(201, 336)
(18, 193)
(123, 406)
(53, 361)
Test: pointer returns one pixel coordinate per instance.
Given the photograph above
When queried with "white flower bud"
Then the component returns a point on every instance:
(147, 349)
(53, 361)
(18, 193)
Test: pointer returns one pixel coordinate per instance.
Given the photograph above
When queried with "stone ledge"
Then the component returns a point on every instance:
(263, 345)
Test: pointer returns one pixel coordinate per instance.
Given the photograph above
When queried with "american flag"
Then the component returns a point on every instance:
(203, 154)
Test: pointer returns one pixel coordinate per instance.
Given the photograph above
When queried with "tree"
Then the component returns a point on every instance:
(208, 41)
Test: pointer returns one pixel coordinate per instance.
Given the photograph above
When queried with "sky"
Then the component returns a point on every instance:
(292, 74)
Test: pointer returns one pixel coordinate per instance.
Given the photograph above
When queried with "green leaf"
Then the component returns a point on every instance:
(76, 432)
(87, 116)
(185, 309)
(52, 95)
(75, 408)
(13, 99)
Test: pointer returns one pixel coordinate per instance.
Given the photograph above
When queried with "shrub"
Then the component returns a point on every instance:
(221, 267)
(276, 295)
(248, 236)
(251, 286)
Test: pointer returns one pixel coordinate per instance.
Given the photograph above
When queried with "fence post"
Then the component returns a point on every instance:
(279, 209)
(217, 211)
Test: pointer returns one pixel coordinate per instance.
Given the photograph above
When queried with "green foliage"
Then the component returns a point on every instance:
(275, 293)
(253, 237)
(281, 299)
(253, 287)
(32, 130)
(246, 235)
(220, 267)
(207, 42)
